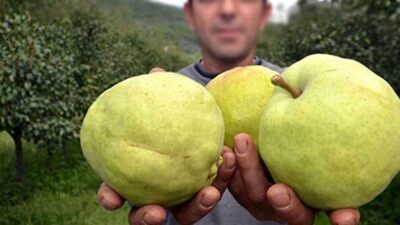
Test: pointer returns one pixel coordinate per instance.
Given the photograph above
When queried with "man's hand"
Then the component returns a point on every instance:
(186, 213)
(157, 69)
(267, 201)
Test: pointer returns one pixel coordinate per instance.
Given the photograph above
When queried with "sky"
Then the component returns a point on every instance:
(280, 12)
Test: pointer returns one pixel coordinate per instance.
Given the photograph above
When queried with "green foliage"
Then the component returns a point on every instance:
(364, 30)
(55, 63)
(321, 218)
(270, 44)
(159, 20)
(107, 55)
(36, 78)
(6, 143)
(91, 55)
(384, 210)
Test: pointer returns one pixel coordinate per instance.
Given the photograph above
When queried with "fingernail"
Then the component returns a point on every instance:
(150, 219)
(229, 163)
(348, 220)
(107, 203)
(227, 150)
(241, 147)
(206, 203)
(280, 199)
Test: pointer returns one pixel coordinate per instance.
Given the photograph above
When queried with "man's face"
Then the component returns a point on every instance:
(227, 29)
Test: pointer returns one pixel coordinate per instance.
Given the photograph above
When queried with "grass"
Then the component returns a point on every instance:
(54, 192)
(57, 192)
(61, 207)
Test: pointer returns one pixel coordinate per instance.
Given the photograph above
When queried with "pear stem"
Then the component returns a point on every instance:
(279, 81)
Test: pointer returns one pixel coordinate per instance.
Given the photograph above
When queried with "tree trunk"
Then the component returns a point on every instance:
(64, 152)
(17, 137)
(50, 149)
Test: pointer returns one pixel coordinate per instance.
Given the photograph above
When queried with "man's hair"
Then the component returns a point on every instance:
(190, 1)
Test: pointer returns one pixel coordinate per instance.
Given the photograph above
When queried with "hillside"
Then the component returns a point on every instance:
(155, 17)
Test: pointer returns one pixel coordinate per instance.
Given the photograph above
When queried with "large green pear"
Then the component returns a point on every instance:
(155, 139)
(338, 143)
(242, 94)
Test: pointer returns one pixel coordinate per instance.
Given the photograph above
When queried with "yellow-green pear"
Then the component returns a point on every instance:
(155, 139)
(242, 94)
(331, 131)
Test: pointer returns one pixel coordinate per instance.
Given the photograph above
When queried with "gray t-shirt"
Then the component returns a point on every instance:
(227, 211)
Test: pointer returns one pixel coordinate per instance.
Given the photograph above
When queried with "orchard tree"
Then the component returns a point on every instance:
(108, 54)
(364, 30)
(37, 82)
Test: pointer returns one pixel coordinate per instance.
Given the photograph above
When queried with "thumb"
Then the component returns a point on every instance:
(288, 206)
(157, 69)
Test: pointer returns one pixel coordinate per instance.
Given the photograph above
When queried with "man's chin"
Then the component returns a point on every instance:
(231, 55)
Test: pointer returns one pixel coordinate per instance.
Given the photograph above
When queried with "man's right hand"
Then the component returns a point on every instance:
(187, 213)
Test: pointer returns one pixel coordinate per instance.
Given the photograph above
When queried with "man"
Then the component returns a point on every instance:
(227, 31)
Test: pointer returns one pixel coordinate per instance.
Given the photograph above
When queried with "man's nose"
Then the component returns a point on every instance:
(228, 8)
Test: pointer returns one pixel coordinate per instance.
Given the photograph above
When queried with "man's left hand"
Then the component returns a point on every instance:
(267, 201)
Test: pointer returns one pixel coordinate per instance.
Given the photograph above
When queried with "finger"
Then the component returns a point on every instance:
(250, 168)
(147, 215)
(237, 189)
(225, 171)
(261, 211)
(288, 206)
(156, 69)
(198, 207)
(345, 217)
(108, 198)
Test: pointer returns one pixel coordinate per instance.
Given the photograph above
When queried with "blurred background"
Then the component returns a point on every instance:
(56, 57)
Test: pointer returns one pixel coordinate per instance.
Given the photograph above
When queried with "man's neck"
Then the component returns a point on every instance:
(213, 65)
